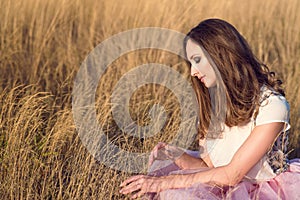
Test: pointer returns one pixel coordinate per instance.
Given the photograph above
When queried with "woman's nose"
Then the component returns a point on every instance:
(194, 71)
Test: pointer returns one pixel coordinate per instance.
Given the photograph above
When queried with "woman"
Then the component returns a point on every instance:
(243, 132)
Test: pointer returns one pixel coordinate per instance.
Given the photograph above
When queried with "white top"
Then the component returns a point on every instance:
(274, 108)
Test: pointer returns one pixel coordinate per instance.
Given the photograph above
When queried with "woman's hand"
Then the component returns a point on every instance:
(164, 151)
(142, 184)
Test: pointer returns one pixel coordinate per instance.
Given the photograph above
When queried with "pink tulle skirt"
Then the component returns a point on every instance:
(285, 186)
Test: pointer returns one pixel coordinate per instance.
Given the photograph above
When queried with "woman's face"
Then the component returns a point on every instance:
(200, 67)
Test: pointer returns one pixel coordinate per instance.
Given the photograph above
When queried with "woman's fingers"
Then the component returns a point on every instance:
(174, 152)
(138, 194)
(132, 187)
(164, 151)
(155, 152)
(159, 146)
(140, 184)
(134, 184)
(131, 179)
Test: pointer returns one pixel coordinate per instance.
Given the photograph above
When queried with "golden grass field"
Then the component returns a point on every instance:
(43, 43)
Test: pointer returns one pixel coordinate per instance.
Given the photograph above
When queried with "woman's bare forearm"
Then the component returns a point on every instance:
(185, 161)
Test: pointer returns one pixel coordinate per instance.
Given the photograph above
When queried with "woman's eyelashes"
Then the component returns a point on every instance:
(197, 60)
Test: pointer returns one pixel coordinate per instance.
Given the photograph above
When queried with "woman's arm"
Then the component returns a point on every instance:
(252, 150)
(163, 151)
(186, 161)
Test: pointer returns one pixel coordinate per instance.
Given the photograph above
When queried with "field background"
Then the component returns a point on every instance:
(43, 43)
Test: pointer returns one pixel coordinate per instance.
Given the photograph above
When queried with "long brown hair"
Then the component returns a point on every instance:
(240, 74)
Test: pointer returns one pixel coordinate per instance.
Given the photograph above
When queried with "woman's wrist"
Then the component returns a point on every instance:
(179, 161)
(185, 161)
(176, 181)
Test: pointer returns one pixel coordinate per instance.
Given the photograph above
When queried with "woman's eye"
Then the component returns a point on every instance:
(197, 60)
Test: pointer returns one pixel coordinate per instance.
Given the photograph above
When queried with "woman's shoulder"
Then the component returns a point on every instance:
(273, 107)
(270, 98)
(267, 92)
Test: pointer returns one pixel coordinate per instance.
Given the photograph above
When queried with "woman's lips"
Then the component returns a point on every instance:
(202, 78)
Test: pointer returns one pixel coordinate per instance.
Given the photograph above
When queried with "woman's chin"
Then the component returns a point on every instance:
(209, 85)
